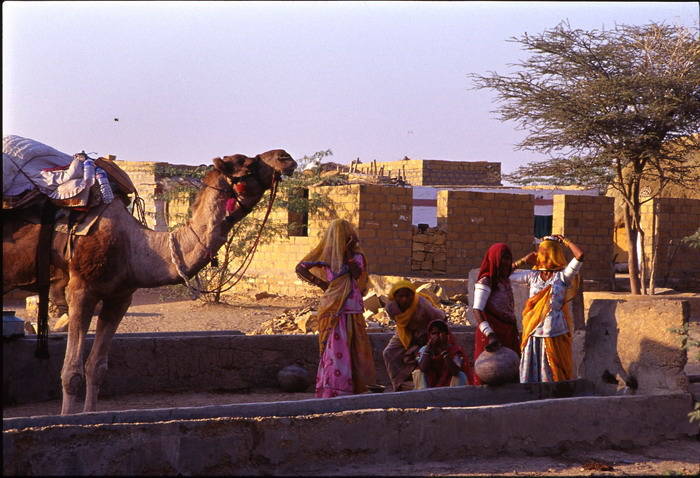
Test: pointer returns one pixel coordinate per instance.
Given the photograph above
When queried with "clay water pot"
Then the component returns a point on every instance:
(498, 367)
(294, 378)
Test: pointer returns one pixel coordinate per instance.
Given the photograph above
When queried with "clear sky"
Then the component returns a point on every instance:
(193, 80)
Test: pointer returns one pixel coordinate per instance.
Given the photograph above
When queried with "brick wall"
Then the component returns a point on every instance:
(677, 264)
(431, 172)
(160, 214)
(474, 221)
(588, 221)
(446, 173)
(382, 216)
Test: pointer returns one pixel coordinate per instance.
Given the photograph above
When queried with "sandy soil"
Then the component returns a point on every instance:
(169, 309)
(677, 457)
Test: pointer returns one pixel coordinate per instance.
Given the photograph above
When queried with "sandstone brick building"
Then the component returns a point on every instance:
(467, 222)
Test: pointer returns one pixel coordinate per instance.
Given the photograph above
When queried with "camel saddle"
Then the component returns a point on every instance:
(33, 171)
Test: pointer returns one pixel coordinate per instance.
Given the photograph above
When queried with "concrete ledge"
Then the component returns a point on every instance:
(277, 445)
(467, 396)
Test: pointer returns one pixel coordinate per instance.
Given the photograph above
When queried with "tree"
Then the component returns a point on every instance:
(608, 108)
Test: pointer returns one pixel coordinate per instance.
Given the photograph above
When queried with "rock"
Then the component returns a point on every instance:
(372, 302)
(382, 317)
(307, 322)
(499, 367)
(29, 328)
(264, 295)
(61, 325)
(294, 378)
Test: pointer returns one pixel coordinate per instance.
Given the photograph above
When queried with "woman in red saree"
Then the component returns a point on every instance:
(493, 304)
(441, 362)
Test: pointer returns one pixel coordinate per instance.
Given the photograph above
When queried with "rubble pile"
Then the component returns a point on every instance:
(303, 321)
(300, 321)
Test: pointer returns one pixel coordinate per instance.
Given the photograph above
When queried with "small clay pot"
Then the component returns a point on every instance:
(294, 378)
(498, 367)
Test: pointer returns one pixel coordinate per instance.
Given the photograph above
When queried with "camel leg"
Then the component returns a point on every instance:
(113, 311)
(81, 306)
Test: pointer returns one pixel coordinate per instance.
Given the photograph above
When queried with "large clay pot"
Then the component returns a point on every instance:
(498, 367)
(294, 378)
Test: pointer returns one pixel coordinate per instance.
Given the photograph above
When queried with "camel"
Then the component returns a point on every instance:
(120, 256)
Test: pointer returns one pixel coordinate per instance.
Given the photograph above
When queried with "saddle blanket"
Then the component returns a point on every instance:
(28, 164)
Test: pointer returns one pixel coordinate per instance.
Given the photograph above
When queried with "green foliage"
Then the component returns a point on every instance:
(690, 345)
(165, 170)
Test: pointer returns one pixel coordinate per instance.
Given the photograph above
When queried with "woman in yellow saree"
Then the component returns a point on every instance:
(338, 266)
(547, 321)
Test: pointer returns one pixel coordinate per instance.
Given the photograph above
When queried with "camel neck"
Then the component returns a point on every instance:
(201, 237)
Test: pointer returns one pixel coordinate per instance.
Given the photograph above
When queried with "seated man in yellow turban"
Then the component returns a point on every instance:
(412, 313)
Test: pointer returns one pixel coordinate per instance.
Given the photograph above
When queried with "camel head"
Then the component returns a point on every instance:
(264, 167)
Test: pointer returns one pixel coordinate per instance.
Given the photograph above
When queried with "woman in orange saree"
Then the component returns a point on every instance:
(547, 322)
(338, 266)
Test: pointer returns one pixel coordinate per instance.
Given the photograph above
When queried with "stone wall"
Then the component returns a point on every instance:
(677, 264)
(160, 213)
(474, 221)
(588, 221)
(184, 362)
(429, 251)
(448, 173)
(432, 172)
(639, 340)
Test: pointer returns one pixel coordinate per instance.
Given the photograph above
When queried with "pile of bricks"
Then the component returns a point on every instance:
(429, 252)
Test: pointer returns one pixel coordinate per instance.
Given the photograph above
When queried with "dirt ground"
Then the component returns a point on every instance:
(169, 309)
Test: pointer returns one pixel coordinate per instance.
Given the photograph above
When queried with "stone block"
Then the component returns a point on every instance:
(638, 341)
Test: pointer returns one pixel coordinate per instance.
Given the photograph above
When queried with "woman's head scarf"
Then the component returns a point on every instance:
(401, 284)
(332, 248)
(491, 264)
(550, 256)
